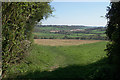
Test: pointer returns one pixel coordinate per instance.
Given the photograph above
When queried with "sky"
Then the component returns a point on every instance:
(78, 13)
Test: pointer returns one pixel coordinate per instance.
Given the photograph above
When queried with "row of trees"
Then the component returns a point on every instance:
(89, 37)
(18, 21)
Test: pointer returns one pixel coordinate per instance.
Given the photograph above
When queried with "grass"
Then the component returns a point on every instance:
(61, 36)
(95, 31)
(63, 42)
(80, 61)
(104, 35)
(48, 35)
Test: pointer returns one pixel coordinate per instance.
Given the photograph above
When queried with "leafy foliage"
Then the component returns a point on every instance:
(18, 20)
(113, 33)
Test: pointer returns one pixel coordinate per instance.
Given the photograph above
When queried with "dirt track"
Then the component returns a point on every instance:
(63, 42)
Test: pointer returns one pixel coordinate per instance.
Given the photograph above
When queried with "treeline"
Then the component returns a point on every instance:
(60, 26)
(91, 37)
(63, 26)
(94, 37)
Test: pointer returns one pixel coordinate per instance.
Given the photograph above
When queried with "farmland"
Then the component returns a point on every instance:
(59, 50)
(54, 40)
(69, 32)
(72, 61)
(63, 42)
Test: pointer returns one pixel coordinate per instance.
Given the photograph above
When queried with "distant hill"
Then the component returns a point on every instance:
(69, 32)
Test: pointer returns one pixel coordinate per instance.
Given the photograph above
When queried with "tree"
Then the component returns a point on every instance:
(113, 33)
(18, 20)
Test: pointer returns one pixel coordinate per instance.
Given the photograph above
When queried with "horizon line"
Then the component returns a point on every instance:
(73, 24)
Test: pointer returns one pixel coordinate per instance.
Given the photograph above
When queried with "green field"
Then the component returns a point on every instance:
(81, 61)
(64, 32)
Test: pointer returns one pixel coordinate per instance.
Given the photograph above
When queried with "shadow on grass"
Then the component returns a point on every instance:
(95, 71)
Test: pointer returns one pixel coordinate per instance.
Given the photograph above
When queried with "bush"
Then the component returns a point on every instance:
(18, 21)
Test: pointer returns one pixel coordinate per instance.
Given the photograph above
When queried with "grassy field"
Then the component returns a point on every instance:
(63, 42)
(75, 61)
